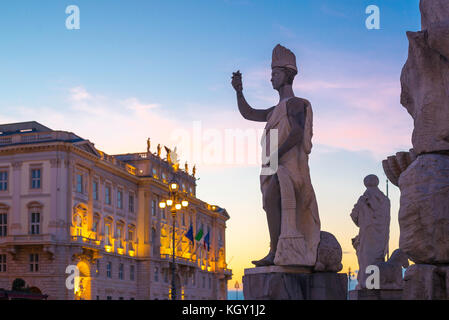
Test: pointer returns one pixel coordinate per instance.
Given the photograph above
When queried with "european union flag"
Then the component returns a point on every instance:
(189, 234)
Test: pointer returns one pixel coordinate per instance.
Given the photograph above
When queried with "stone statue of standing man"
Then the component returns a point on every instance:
(288, 196)
(371, 214)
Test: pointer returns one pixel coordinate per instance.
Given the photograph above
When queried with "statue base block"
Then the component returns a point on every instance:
(426, 282)
(374, 294)
(293, 283)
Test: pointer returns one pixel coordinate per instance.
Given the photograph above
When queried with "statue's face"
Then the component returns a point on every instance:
(278, 78)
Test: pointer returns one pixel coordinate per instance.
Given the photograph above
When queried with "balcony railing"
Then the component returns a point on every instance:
(26, 239)
(33, 137)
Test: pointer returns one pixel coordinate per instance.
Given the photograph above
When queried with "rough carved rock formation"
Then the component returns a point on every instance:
(424, 209)
(425, 78)
(329, 254)
(391, 271)
(426, 282)
(394, 165)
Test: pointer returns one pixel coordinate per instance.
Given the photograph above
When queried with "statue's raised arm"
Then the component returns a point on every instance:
(245, 109)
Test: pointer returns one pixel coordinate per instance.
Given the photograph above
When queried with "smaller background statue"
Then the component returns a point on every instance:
(371, 214)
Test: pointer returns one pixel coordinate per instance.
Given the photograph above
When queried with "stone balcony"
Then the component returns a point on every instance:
(27, 239)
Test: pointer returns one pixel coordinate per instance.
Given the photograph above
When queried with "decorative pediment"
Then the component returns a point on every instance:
(87, 146)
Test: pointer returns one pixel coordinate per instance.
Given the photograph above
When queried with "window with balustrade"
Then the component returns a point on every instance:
(35, 217)
(108, 232)
(96, 223)
(131, 230)
(119, 231)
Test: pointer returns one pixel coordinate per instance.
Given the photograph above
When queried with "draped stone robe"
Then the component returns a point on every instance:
(300, 223)
(371, 214)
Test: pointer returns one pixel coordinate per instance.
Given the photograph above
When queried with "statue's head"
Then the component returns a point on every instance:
(281, 76)
(371, 181)
(283, 67)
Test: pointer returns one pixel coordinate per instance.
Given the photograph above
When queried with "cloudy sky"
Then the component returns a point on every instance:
(161, 69)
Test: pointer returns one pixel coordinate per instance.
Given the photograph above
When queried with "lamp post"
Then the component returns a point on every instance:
(175, 203)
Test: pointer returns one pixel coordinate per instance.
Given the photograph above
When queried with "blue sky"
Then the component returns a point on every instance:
(141, 68)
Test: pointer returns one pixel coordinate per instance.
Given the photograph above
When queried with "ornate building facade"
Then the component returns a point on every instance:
(64, 203)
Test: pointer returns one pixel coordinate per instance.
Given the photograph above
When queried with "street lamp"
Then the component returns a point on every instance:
(175, 203)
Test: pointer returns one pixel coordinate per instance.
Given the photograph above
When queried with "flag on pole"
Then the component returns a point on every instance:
(206, 242)
(199, 234)
(189, 234)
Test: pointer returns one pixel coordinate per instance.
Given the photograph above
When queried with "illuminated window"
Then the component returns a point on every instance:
(95, 223)
(130, 238)
(107, 233)
(36, 178)
(34, 262)
(120, 234)
(78, 222)
(2, 262)
(3, 180)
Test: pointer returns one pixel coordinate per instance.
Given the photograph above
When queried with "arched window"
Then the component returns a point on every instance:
(96, 224)
(120, 233)
(35, 210)
(131, 240)
(108, 231)
(78, 223)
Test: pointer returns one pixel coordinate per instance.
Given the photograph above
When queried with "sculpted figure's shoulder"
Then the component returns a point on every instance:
(297, 105)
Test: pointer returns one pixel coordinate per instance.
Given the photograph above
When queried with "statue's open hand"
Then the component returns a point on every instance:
(237, 81)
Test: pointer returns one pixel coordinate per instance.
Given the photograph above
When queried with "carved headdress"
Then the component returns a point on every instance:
(282, 57)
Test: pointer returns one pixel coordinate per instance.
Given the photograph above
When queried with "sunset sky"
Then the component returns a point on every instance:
(160, 69)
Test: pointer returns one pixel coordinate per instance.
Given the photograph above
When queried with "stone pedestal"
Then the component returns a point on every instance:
(292, 283)
(367, 294)
(426, 282)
